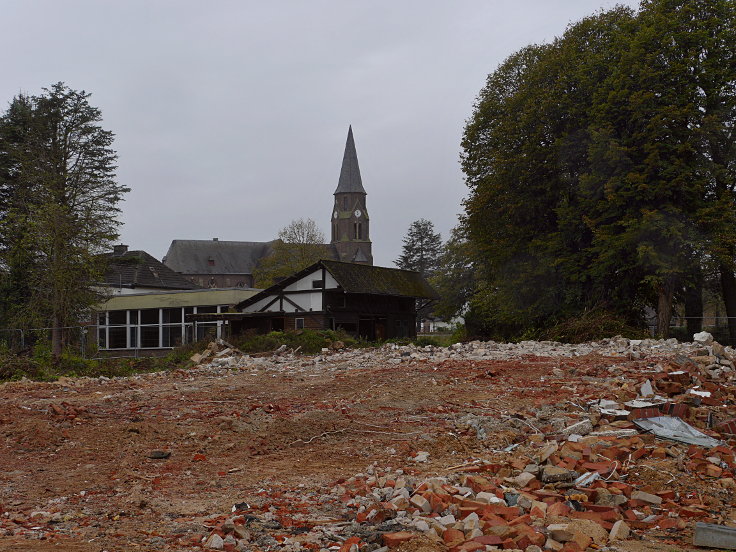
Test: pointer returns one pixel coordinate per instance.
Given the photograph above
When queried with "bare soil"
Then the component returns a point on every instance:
(79, 451)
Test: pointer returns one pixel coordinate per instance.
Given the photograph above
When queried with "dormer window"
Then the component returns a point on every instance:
(211, 261)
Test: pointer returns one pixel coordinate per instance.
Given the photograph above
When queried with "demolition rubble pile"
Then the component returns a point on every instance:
(645, 452)
(220, 354)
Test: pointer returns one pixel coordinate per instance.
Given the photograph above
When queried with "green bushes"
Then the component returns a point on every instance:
(40, 364)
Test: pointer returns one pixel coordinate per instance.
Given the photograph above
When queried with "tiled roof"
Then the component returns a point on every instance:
(379, 280)
(139, 269)
(360, 278)
(215, 257)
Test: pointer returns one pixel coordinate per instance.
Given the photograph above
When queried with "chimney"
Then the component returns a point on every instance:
(118, 250)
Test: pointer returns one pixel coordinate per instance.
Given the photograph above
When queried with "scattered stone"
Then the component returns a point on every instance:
(215, 542)
(646, 497)
(619, 531)
(704, 338)
(159, 454)
(554, 474)
(580, 428)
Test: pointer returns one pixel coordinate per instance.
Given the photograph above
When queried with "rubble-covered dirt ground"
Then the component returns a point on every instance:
(475, 447)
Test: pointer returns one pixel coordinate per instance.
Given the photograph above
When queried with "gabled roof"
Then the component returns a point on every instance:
(360, 278)
(138, 269)
(379, 280)
(215, 257)
(350, 181)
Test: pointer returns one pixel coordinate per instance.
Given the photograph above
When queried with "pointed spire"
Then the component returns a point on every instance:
(350, 181)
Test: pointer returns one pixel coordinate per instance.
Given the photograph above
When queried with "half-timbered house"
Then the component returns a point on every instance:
(368, 301)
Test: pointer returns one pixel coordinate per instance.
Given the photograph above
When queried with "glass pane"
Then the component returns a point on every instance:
(172, 315)
(118, 318)
(134, 317)
(118, 338)
(102, 319)
(149, 316)
(206, 331)
(149, 336)
(171, 336)
(102, 338)
(206, 310)
(134, 337)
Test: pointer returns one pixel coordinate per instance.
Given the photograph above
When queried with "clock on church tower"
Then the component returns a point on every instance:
(350, 221)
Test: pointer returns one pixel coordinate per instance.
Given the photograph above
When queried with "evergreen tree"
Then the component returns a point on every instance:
(422, 248)
(454, 279)
(61, 202)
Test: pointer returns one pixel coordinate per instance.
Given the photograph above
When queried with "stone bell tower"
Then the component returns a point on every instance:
(350, 223)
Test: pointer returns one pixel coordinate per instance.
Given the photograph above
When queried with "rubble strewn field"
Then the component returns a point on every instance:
(475, 447)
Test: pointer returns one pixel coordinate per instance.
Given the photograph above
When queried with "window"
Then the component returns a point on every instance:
(117, 338)
(149, 316)
(299, 323)
(118, 318)
(318, 284)
(172, 316)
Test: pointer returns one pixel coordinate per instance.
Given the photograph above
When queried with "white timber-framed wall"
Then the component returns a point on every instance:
(303, 295)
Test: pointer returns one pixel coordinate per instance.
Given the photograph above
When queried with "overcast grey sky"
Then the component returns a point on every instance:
(231, 116)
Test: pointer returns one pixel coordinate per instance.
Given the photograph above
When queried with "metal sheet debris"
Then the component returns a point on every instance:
(674, 429)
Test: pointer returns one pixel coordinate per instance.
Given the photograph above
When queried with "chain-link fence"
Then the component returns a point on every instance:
(112, 341)
(683, 327)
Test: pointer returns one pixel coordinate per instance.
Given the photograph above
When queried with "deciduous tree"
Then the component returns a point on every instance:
(299, 244)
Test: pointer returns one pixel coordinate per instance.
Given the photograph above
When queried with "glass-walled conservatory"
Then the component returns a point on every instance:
(155, 328)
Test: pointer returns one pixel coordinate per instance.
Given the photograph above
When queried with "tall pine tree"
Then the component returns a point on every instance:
(62, 169)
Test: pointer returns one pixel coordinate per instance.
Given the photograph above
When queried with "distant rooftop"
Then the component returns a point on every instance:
(138, 269)
(215, 256)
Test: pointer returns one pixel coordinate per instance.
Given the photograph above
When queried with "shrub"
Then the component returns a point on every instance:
(591, 325)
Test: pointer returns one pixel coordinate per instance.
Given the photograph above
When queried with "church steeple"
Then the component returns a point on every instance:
(350, 181)
(350, 221)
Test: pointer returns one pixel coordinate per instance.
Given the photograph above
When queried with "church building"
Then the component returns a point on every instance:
(350, 221)
(226, 264)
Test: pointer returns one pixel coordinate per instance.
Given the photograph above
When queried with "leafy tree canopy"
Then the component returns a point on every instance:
(299, 244)
(601, 168)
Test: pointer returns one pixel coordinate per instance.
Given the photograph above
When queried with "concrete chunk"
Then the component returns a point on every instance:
(552, 474)
(646, 497)
(714, 536)
(619, 531)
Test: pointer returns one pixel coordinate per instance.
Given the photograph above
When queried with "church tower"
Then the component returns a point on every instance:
(350, 222)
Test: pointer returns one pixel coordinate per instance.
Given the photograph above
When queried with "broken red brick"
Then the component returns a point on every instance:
(394, 539)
